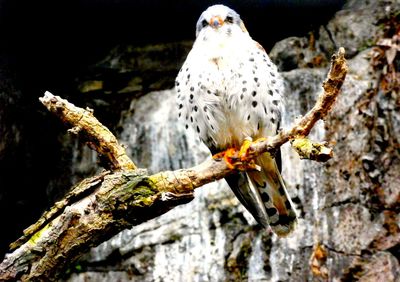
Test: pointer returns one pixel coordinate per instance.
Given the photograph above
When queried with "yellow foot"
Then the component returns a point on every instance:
(230, 156)
(239, 159)
(244, 149)
(219, 155)
(245, 154)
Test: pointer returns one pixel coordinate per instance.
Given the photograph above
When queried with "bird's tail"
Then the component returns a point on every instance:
(264, 195)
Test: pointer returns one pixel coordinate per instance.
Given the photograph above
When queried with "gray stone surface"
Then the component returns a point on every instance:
(349, 205)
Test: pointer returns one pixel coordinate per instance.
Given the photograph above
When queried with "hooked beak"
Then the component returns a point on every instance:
(216, 22)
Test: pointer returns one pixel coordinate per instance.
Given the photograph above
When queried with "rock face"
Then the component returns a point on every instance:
(348, 207)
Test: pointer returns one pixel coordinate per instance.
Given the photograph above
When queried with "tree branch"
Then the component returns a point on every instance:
(100, 207)
(96, 135)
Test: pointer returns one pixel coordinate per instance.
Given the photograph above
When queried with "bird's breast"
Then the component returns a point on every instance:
(228, 92)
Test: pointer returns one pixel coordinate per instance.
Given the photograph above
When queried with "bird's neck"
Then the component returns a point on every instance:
(220, 44)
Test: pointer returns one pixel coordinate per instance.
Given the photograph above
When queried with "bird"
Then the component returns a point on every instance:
(229, 91)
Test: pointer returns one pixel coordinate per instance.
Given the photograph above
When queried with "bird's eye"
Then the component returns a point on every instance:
(229, 19)
(204, 23)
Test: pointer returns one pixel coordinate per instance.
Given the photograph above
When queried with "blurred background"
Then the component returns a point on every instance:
(109, 54)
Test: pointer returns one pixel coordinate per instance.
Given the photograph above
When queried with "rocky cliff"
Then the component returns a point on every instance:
(348, 207)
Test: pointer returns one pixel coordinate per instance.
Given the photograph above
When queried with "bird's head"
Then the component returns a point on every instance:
(219, 18)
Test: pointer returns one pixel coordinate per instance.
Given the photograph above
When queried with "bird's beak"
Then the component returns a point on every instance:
(216, 22)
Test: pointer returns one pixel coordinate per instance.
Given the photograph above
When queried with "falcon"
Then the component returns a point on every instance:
(229, 92)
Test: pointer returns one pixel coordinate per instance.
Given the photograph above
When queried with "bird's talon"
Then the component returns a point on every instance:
(219, 155)
(244, 150)
(230, 157)
(240, 160)
(250, 165)
(257, 167)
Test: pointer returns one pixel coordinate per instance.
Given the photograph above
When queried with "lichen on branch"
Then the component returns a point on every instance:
(315, 151)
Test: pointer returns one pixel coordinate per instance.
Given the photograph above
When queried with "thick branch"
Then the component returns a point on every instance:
(102, 206)
(116, 201)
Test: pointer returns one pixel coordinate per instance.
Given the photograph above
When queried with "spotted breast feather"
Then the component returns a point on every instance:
(229, 90)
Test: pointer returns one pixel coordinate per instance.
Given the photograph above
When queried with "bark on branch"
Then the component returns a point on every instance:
(96, 135)
(100, 207)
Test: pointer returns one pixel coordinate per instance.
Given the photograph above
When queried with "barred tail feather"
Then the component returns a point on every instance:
(248, 195)
(271, 188)
(264, 195)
